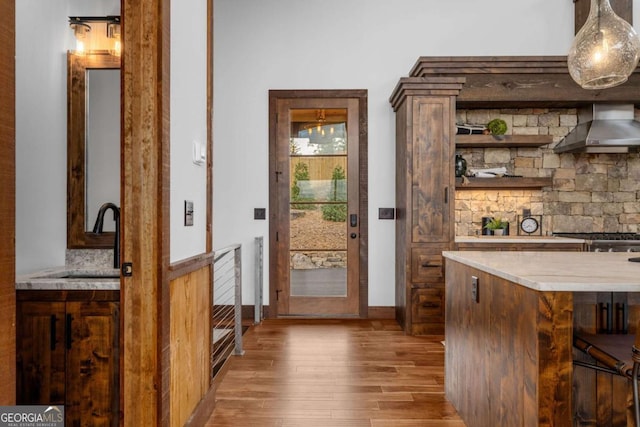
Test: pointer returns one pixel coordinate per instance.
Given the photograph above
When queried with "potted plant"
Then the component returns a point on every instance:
(497, 226)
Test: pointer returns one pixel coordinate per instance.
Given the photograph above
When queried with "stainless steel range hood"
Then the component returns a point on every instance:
(603, 128)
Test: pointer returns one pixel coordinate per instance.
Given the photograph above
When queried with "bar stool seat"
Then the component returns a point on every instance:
(617, 354)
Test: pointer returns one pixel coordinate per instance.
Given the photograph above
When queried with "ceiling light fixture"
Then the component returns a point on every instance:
(605, 51)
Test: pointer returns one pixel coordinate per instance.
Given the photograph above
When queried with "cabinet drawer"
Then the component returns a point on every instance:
(426, 265)
(427, 305)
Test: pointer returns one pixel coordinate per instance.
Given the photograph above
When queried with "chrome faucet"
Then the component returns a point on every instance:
(97, 229)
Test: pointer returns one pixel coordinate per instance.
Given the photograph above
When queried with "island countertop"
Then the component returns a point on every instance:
(557, 271)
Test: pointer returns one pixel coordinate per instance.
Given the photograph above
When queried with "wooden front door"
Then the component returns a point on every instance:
(315, 208)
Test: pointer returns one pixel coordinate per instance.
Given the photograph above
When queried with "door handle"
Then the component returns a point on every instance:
(52, 326)
(354, 235)
(68, 331)
(353, 220)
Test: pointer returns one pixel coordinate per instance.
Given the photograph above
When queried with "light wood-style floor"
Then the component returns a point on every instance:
(308, 373)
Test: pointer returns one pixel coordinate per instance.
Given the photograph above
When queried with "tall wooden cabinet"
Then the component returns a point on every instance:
(425, 185)
(68, 353)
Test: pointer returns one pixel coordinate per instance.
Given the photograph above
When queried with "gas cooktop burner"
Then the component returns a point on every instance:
(607, 242)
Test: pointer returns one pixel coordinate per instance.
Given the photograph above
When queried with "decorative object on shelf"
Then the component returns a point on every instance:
(529, 225)
(605, 51)
(488, 172)
(497, 127)
(497, 226)
(485, 230)
(461, 165)
(467, 129)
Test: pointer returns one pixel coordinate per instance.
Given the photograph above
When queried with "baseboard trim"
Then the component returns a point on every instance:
(382, 313)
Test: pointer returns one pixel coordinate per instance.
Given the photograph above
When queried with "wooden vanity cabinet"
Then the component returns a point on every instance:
(68, 353)
(425, 185)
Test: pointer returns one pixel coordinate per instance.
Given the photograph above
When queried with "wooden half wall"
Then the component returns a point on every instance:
(7, 207)
(190, 341)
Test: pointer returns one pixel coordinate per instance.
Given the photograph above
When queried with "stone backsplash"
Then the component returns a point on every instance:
(590, 192)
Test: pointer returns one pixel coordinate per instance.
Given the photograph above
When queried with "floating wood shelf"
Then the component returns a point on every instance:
(503, 141)
(502, 183)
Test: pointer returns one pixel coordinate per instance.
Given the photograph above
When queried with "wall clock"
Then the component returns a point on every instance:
(529, 225)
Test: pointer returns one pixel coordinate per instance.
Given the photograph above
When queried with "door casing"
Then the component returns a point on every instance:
(361, 97)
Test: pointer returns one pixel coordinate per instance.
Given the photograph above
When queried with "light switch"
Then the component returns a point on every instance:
(188, 213)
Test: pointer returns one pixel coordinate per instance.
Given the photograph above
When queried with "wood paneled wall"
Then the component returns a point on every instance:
(7, 207)
(190, 342)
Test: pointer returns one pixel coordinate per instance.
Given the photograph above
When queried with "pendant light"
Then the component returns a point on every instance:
(605, 51)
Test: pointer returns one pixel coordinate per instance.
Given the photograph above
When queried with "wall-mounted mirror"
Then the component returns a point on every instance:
(93, 145)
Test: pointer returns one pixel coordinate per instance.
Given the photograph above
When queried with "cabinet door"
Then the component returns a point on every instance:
(40, 353)
(432, 212)
(92, 364)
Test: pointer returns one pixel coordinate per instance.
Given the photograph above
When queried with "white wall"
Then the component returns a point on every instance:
(344, 44)
(188, 123)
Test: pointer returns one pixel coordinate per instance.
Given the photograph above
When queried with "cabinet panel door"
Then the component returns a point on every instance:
(40, 353)
(92, 364)
(427, 265)
(431, 175)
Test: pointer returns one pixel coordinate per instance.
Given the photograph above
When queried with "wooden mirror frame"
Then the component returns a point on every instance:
(77, 67)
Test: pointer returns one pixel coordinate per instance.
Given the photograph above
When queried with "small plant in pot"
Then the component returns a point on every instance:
(497, 226)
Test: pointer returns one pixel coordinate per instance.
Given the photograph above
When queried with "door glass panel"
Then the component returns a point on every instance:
(318, 203)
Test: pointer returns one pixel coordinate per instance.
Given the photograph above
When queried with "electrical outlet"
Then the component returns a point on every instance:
(475, 291)
(386, 213)
(259, 213)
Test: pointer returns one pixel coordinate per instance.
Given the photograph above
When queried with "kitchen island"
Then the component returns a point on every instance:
(509, 322)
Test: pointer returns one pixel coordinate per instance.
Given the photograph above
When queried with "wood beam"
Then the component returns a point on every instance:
(7, 207)
(520, 82)
(145, 212)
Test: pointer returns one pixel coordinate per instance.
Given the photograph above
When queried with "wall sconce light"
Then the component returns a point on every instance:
(88, 39)
(605, 51)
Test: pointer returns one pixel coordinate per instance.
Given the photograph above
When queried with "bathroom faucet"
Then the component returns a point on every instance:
(97, 229)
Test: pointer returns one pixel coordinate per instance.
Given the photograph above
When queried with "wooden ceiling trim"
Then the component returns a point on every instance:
(521, 82)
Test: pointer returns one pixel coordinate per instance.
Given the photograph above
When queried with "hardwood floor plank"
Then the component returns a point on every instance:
(342, 373)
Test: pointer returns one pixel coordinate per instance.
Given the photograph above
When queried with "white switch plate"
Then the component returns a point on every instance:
(199, 152)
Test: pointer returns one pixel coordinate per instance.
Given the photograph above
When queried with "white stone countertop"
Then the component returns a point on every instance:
(557, 271)
(71, 278)
(516, 239)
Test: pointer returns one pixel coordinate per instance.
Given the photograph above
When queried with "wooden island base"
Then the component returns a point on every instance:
(509, 355)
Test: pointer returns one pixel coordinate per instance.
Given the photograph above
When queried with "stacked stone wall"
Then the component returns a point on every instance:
(590, 192)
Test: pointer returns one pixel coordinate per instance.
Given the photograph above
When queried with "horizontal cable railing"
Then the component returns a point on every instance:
(227, 306)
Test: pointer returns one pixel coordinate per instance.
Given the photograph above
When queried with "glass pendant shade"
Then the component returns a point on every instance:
(605, 51)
